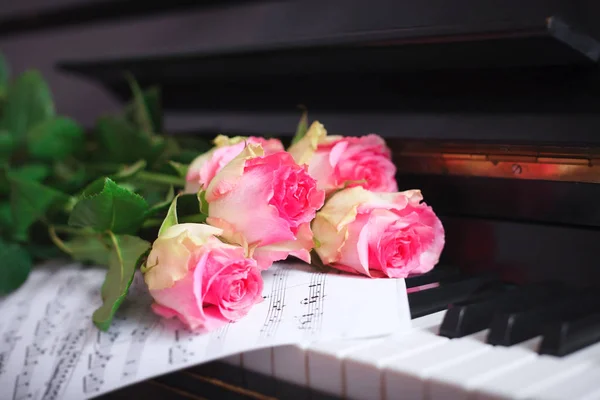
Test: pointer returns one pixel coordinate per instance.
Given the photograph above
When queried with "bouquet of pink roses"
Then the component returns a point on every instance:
(108, 197)
(333, 197)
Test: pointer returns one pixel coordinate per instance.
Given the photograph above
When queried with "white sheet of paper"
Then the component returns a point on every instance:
(49, 348)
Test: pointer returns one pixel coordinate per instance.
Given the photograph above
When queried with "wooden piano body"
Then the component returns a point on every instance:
(492, 108)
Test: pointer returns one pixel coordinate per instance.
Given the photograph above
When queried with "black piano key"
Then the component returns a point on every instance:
(470, 316)
(567, 337)
(508, 329)
(437, 299)
(433, 276)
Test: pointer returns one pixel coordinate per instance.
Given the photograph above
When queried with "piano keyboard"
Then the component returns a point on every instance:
(472, 338)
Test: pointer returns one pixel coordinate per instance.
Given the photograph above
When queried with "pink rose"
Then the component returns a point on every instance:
(195, 277)
(206, 166)
(378, 234)
(338, 161)
(265, 202)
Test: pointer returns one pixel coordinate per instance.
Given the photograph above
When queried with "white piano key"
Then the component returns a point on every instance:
(429, 322)
(290, 364)
(585, 384)
(235, 360)
(405, 377)
(590, 353)
(363, 369)
(325, 359)
(516, 382)
(457, 380)
(532, 344)
(260, 361)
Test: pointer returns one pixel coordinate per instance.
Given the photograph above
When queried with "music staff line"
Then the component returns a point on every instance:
(276, 303)
(311, 320)
(46, 327)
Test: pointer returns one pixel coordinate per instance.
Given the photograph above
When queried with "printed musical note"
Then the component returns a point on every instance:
(103, 352)
(276, 303)
(138, 340)
(310, 320)
(43, 339)
(10, 336)
(181, 352)
(67, 358)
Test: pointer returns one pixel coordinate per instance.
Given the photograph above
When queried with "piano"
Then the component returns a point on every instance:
(492, 108)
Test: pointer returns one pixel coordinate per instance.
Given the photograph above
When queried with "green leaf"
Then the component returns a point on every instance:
(126, 250)
(69, 175)
(161, 205)
(31, 172)
(28, 102)
(31, 201)
(130, 171)
(43, 252)
(55, 139)
(4, 75)
(122, 142)
(15, 267)
(302, 128)
(7, 145)
(34, 172)
(5, 217)
(171, 218)
(104, 206)
(203, 202)
(89, 248)
(144, 110)
(194, 219)
(153, 104)
(165, 149)
(185, 208)
(181, 169)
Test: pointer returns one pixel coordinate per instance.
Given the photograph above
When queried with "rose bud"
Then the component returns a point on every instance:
(378, 234)
(195, 277)
(205, 166)
(343, 161)
(266, 202)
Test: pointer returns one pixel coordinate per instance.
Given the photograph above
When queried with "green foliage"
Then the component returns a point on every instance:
(69, 175)
(5, 218)
(130, 171)
(144, 110)
(15, 267)
(203, 202)
(4, 75)
(122, 142)
(55, 139)
(106, 206)
(7, 145)
(302, 128)
(30, 201)
(171, 217)
(28, 102)
(123, 260)
(89, 248)
(184, 208)
(34, 171)
(87, 195)
(180, 168)
(163, 205)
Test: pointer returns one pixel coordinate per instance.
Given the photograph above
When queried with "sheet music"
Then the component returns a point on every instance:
(50, 350)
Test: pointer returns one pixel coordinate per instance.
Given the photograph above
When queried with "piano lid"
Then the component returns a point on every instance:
(470, 69)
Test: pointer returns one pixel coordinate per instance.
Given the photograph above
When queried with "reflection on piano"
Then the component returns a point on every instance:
(492, 109)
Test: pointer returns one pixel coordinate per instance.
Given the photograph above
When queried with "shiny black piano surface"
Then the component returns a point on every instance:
(490, 107)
